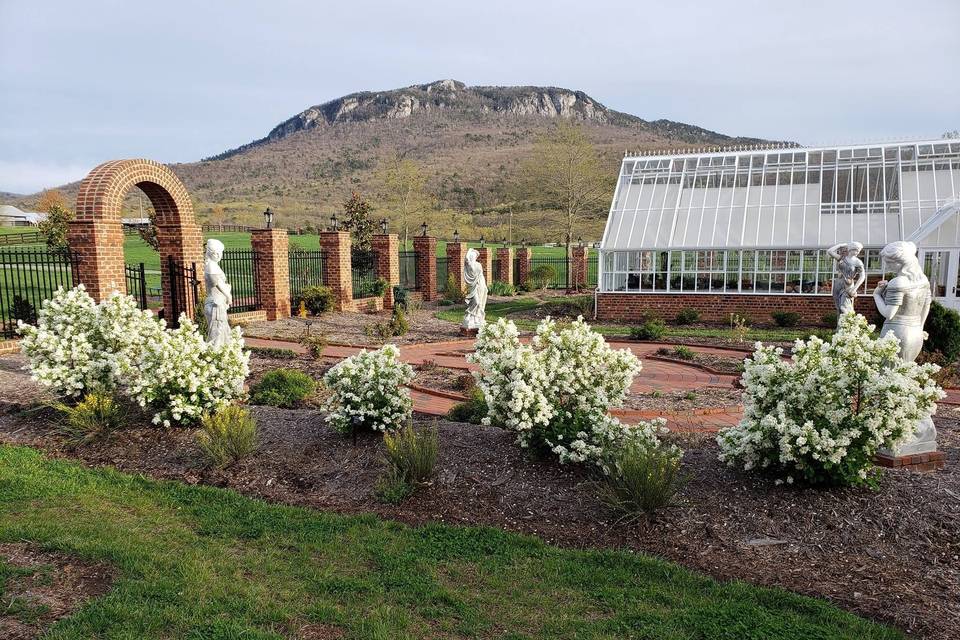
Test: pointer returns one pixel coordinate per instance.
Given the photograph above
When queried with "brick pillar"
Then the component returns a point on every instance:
(426, 249)
(387, 250)
(486, 263)
(336, 267)
(272, 247)
(505, 262)
(184, 243)
(97, 250)
(523, 269)
(578, 268)
(456, 252)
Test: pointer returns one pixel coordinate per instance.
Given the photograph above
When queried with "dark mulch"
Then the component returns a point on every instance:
(433, 376)
(891, 554)
(43, 587)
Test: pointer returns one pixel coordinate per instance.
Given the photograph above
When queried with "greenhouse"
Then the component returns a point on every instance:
(754, 224)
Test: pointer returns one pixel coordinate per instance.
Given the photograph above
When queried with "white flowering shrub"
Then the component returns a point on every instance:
(555, 393)
(78, 345)
(820, 417)
(182, 378)
(366, 391)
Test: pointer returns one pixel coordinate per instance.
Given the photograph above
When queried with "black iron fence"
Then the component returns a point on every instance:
(27, 278)
(364, 273)
(184, 290)
(240, 267)
(408, 270)
(494, 270)
(592, 262)
(136, 278)
(442, 272)
(306, 270)
(550, 272)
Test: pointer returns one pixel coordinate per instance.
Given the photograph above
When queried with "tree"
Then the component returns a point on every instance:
(54, 227)
(564, 172)
(49, 199)
(358, 221)
(404, 193)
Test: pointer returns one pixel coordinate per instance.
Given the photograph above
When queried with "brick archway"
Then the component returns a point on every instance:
(96, 234)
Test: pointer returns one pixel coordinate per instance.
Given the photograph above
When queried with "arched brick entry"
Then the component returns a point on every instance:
(96, 234)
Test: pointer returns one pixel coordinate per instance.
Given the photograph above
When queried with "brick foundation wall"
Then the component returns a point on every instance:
(505, 265)
(716, 308)
(336, 267)
(426, 249)
(387, 248)
(272, 247)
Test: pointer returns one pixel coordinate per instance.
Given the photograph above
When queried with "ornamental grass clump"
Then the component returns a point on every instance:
(412, 453)
(820, 417)
(555, 393)
(99, 414)
(640, 480)
(227, 435)
(366, 392)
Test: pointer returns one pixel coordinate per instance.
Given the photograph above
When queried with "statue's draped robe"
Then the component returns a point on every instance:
(849, 271)
(215, 306)
(476, 297)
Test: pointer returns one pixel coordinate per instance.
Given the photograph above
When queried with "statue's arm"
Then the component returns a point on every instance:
(861, 277)
(834, 251)
(220, 282)
(888, 311)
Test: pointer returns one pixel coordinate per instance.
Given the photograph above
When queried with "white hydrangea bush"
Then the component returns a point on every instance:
(819, 417)
(366, 391)
(78, 345)
(555, 392)
(181, 377)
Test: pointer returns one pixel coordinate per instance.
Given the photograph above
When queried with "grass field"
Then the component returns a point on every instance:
(200, 562)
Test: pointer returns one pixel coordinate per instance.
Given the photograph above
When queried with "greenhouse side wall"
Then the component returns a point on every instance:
(716, 308)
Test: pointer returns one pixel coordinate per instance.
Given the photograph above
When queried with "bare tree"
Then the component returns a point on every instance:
(404, 192)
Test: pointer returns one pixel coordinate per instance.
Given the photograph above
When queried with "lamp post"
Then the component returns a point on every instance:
(482, 242)
(456, 235)
(383, 226)
(268, 216)
(580, 241)
(334, 223)
(423, 229)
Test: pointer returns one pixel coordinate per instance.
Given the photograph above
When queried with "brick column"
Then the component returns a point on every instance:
(486, 263)
(426, 249)
(272, 247)
(97, 250)
(183, 242)
(456, 252)
(523, 269)
(505, 262)
(336, 267)
(578, 268)
(387, 250)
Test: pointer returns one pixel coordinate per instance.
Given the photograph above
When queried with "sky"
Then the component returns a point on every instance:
(85, 82)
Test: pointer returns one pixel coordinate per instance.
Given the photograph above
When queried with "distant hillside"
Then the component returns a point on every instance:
(468, 142)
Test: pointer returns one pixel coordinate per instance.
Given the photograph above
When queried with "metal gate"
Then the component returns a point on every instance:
(184, 290)
(408, 270)
(136, 277)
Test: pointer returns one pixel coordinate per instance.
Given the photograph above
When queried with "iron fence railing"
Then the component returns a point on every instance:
(442, 272)
(184, 290)
(364, 273)
(494, 270)
(241, 268)
(306, 270)
(136, 279)
(27, 278)
(408, 270)
(593, 260)
(549, 272)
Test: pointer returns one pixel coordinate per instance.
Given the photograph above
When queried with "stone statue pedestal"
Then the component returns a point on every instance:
(917, 462)
(917, 454)
(470, 333)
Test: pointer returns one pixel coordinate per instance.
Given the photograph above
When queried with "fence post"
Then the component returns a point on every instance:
(387, 251)
(456, 251)
(523, 265)
(426, 249)
(485, 258)
(578, 269)
(505, 265)
(336, 267)
(271, 250)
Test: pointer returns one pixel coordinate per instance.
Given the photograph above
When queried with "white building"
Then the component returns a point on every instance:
(11, 216)
(755, 223)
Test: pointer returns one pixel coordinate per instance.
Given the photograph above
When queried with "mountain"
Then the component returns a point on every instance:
(467, 141)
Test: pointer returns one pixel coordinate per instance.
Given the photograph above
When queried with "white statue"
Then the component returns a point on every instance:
(219, 297)
(851, 275)
(904, 302)
(476, 292)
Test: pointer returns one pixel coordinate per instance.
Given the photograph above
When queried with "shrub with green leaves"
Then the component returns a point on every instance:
(286, 388)
(318, 299)
(99, 414)
(274, 352)
(501, 288)
(687, 316)
(683, 352)
(651, 329)
(542, 276)
(829, 319)
(640, 480)
(472, 410)
(453, 291)
(392, 488)
(315, 343)
(227, 435)
(943, 329)
(412, 453)
(786, 318)
(398, 322)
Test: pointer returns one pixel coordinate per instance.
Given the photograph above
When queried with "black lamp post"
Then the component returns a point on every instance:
(423, 229)
(523, 243)
(383, 226)
(580, 241)
(268, 216)
(482, 242)
(456, 235)
(334, 223)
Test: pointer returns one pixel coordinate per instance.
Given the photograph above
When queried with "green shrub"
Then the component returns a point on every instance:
(652, 329)
(525, 287)
(228, 435)
(786, 318)
(398, 322)
(943, 328)
(465, 382)
(391, 488)
(285, 388)
(379, 287)
(317, 299)
(412, 453)
(687, 316)
(683, 352)
(99, 414)
(500, 288)
(473, 409)
(315, 343)
(829, 319)
(274, 352)
(542, 276)
(453, 292)
(641, 479)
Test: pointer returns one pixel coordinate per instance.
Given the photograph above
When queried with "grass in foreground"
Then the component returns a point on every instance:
(497, 310)
(200, 562)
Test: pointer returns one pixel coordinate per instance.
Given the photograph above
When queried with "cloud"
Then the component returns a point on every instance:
(27, 176)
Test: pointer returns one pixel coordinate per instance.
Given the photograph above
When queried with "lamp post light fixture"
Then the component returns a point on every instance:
(423, 229)
(482, 242)
(383, 226)
(268, 215)
(456, 235)
(580, 241)
(523, 243)
(334, 223)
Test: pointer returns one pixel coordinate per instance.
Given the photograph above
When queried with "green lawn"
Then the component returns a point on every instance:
(496, 310)
(201, 562)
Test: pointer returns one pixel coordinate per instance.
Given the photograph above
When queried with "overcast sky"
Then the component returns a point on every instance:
(84, 82)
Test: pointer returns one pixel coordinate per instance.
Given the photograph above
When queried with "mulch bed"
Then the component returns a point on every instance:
(45, 587)
(715, 362)
(433, 376)
(354, 328)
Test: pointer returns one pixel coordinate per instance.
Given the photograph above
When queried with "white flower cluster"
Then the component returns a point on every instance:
(555, 392)
(78, 345)
(367, 391)
(820, 417)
